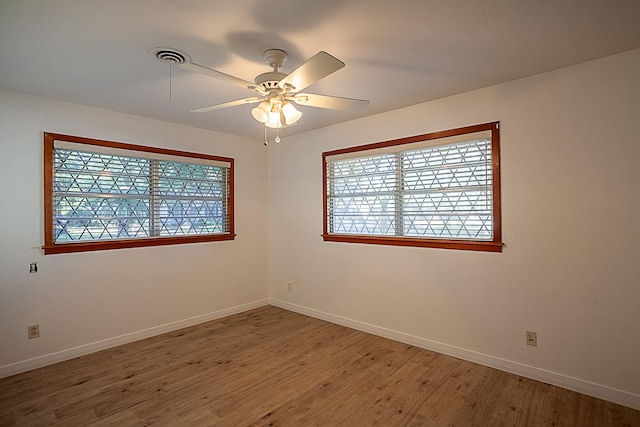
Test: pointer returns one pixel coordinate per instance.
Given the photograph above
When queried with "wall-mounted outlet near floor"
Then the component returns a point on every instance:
(532, 338)
(33, 267)
(33, 331)
(290, 287)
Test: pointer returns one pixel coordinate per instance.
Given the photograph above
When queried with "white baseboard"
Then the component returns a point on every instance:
(59, 356)
(600, 391)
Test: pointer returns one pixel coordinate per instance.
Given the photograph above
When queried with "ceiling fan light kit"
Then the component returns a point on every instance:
(276, 91)
(276, 114)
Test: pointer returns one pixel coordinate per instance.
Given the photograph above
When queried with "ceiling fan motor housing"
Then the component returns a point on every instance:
(269, 80)
(275, 58)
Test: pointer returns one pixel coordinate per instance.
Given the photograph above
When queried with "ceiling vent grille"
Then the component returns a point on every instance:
(172, 56)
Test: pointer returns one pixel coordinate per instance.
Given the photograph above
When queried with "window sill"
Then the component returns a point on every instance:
(131, 243)
(416, 242)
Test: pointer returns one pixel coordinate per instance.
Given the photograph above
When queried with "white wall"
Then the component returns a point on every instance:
(570, 270)
(87, 301)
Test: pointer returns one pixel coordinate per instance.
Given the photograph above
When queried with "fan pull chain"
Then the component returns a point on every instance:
(265, 136)
(170, 69)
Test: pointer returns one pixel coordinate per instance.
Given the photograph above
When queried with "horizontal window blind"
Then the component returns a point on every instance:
(139, 153)
(103, 193)
(440, 188)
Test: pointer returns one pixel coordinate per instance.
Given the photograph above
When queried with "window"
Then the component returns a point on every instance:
(437, 190)
(108, 195)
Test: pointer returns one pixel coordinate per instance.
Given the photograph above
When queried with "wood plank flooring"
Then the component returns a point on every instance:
(272, 367)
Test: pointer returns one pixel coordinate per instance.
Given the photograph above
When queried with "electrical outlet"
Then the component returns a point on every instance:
(290, 287)
(532, 338)
(33, 267)
(33, 331)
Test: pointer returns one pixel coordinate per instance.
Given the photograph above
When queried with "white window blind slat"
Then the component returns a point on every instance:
(437, 189)
(106, 194)
(74, 146)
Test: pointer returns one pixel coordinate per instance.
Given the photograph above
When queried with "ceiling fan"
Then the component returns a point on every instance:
(276, 92)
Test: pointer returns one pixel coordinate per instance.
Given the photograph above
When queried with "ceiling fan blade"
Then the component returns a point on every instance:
(331, 102)
(190, 66)
(319, 66)
(228, 104)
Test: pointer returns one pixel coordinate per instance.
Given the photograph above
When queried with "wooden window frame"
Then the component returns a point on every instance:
(494, 245)
(50, 247)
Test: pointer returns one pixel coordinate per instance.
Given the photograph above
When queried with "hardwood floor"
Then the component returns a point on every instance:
(272, 367)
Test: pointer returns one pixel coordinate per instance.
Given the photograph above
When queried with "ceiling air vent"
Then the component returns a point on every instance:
(172, 56)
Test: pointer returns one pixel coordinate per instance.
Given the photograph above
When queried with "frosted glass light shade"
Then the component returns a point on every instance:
(261, 112)
(290, 113)
(275, 120)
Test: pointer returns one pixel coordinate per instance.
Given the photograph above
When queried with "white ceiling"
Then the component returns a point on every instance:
(398, 53)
